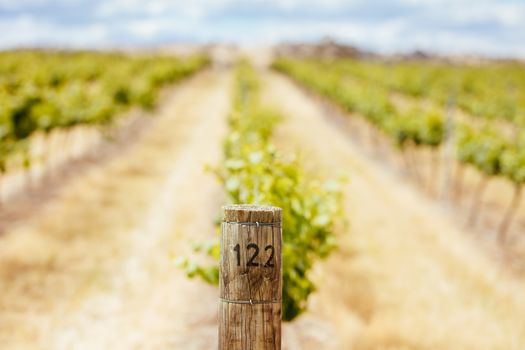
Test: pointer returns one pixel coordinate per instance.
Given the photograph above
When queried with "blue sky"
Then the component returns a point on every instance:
(450, 26)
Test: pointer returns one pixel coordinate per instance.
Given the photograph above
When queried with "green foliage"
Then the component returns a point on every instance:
(331, 79)
(513, 161)
(466, 145)
(419, 127)
(43, 90)
(254, 172)
(208, 274)
(489, 91)
(482, 149)
(491, 154)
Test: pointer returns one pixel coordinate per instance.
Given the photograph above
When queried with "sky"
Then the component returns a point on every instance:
(489, 27)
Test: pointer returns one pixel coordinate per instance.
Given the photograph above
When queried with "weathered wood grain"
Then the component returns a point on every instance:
(250, 278)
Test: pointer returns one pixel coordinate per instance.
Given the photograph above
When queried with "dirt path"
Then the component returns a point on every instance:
(94, 270)
(405, 277)
(149, 291)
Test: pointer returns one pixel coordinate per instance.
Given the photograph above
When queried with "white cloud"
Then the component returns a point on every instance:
(27, 31)
(488, 26)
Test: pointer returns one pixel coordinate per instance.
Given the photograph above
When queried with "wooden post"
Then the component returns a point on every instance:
(448, 150)
(250, 279)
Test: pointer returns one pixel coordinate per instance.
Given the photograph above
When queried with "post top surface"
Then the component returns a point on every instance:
(251, 213)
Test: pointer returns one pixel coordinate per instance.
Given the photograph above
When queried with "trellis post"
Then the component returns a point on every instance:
(250, 278)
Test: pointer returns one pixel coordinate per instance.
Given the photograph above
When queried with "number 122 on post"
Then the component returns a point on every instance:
(252, 250)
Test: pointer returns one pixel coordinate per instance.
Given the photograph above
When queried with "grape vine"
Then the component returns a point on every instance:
(364, 88)
(255, 172)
